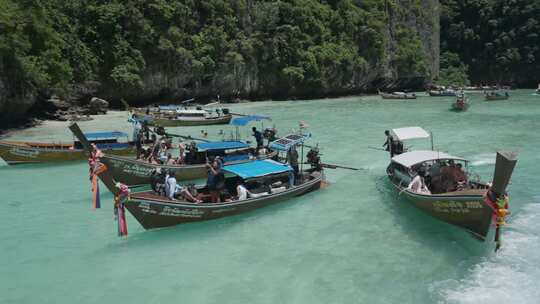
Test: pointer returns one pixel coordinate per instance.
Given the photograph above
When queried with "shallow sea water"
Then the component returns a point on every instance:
(355, 241)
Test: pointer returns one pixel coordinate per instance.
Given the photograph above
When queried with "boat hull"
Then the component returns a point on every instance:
(390, 96)
(466, 210)
(15, 153)
(164, 122)
(134, 173)
(152, 213)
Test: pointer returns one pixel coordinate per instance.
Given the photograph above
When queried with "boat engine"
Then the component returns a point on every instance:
(270, 134)
(314, 159)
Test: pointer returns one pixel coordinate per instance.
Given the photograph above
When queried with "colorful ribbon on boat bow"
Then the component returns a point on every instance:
(96, 168)
(500, 211)
(120, 210)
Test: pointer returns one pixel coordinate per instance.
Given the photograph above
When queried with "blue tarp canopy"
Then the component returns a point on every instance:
(221, 145)
(244, 120)
(257, 168)
(285, 143)
(104, 135)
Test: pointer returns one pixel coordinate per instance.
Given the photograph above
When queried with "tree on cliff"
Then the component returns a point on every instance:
(289, 47)
(499, 40)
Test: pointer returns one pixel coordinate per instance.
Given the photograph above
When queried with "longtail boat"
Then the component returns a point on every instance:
(267, 182)
(491, 96)
(20, 152)
(183, 116)
(442, 93)
(135, 172)
(267, 179)
(397, 95)
(461, 104)
(429, 180)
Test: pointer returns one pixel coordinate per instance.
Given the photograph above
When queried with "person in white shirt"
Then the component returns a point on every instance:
(242, 192)
(417, 185)
(170, 185)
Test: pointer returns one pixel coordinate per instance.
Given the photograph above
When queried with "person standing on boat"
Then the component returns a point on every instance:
(292, 159)
(215, 181)
(389, 143)
(258, 138)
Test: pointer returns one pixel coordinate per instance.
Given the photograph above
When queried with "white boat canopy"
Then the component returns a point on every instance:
(410, 133)
(412, 158)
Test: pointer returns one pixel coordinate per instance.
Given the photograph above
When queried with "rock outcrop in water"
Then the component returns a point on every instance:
(144, 52)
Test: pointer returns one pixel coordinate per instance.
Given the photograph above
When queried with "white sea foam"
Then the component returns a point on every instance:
(510, 276)
(483, 159)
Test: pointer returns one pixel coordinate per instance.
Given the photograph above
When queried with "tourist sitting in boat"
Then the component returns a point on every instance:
(418, 185)
(170, 160)
(459, 174)
(243, 193)
(173, 190)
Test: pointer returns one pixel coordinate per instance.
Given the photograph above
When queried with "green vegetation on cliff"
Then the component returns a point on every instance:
(246, 47)
(499, 40)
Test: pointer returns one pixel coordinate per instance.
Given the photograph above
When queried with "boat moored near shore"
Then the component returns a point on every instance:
(23, 152)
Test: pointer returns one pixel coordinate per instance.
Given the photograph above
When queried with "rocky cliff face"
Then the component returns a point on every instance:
(409, 59)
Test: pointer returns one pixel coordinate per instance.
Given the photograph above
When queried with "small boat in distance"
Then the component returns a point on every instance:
(461, 104)
(538, 90)
(441, 185)
(185, 114)
(442, 93)
(21, 152)
(397, 95)
(495, 95)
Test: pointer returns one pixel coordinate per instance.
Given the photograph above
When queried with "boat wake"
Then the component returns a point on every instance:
(483, 159)
(509, 276)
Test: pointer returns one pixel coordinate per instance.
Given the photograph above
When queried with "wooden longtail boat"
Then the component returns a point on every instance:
(267, 181)
(461, 104)
(397, 95)
(175, 117)
(133, 172)
(491, 96)
(154, 211)
(20, 152)
(442, 93)
(423, 178)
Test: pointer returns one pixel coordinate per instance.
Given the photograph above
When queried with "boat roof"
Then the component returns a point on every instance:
(105, 135)
(286, 142)
(244, 120)
(412, 158)
(410, 133)
(257, 168)
(221, 145)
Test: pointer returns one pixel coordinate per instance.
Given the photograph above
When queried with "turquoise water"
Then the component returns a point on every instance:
(354, 241)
